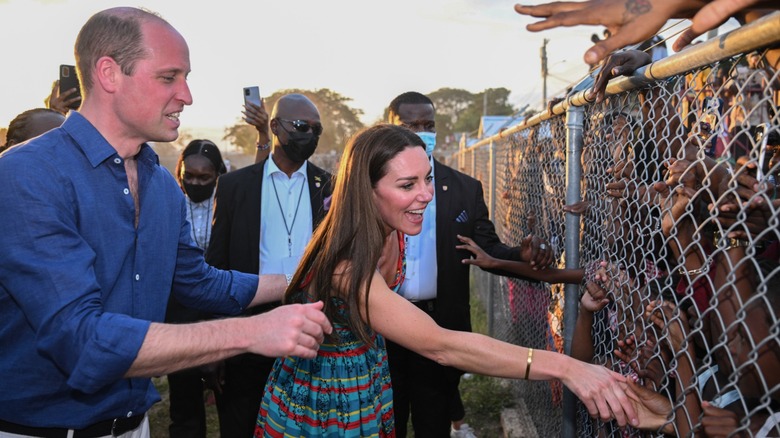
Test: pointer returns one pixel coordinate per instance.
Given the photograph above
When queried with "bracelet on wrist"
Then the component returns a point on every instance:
(726, 243)
(693, 272)
(263, 146)
(528, 363)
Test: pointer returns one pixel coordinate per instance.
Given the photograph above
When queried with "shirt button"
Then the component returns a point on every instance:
(126, 191)
(117, 160)
(129, 414)
(137, 277)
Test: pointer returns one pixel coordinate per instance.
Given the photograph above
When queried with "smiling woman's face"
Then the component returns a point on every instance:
(406, 189)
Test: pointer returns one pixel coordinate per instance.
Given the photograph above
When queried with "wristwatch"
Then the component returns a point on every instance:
(265, 146)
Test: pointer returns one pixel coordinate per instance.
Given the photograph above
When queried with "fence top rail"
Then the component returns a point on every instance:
(760, 33)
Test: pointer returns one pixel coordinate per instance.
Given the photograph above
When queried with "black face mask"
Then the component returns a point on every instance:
(199, 193)
(300, 145)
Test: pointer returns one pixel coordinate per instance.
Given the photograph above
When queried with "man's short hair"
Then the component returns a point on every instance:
(113, 32)
(410, 97)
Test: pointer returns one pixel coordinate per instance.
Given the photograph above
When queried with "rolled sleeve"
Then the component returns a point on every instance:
(108, 354)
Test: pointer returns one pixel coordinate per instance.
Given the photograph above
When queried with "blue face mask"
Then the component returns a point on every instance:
(430, 141)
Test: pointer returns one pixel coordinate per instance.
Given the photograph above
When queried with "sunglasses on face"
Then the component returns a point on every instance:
(304, 126)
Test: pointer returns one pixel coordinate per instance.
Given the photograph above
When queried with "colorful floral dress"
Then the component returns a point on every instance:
(344, 392)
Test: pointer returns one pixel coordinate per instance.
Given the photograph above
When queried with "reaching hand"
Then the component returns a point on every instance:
(621, 63)
(758, 200)
(290, 330)
(481, 258)
(536, 251)
(602, 391)
(653, 408)
(718, 422)
(594, 298)
(577, 208)
(629, 22)
(665, 316)
(709, 17)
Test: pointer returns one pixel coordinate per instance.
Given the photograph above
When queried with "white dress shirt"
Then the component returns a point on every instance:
(199, 215)
(420, 281)
(278, 255)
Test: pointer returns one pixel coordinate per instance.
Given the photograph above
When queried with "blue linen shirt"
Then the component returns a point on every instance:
(80, 284)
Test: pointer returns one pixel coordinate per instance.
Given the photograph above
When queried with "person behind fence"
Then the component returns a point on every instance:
(751, 86)
(264, 215)
(98, 239)
(438, 283)
(196, 172)
(719, 285)
(355, 263)
(736, 384)
(30, 124)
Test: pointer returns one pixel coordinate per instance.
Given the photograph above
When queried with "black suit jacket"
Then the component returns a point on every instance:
(460, 209)
(235, 231)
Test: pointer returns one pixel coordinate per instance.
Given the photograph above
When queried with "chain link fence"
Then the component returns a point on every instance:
(672, 187)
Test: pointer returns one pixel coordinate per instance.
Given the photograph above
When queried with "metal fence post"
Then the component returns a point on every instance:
(491, 212)
(574, 139)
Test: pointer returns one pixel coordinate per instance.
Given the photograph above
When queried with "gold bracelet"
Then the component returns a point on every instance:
(528, 364)
(703, 270)
(724, 242)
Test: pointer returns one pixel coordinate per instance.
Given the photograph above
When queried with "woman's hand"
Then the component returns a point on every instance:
(602, 391)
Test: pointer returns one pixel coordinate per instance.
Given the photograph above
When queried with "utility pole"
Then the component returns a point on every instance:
(543, 54)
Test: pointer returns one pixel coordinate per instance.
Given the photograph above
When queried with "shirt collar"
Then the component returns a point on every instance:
(271, 167)
(94, 145)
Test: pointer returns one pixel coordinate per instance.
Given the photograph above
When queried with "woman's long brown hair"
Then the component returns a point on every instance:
(352, 230)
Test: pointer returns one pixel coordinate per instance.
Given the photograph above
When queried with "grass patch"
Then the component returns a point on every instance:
(484, 397)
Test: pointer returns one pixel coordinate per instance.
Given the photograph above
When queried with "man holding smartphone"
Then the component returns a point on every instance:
(264, 216)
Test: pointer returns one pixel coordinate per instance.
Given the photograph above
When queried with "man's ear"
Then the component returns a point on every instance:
(107, 74)
(273, 124)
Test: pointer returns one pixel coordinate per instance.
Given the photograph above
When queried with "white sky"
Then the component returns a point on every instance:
(367, 50)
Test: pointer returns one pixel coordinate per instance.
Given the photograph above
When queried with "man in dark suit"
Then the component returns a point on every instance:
(264, 215)
(438, 282)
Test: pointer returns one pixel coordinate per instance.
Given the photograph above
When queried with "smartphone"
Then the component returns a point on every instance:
(69, 79)
(252, 94)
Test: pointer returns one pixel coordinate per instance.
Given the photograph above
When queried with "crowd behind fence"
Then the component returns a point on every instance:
(672, 183)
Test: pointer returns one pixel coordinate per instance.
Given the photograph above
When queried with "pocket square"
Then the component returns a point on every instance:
(462, 217)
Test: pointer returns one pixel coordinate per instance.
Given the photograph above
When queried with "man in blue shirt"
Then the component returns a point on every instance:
(97, 240)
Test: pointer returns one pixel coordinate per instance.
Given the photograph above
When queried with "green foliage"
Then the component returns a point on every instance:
(243, 136)
(339, 120)
(460, 111)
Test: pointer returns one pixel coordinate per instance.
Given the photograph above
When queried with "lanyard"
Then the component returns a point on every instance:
(284, 218)
(207, 236)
